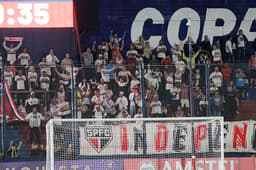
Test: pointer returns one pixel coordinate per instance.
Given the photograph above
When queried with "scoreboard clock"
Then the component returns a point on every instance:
(36, 14)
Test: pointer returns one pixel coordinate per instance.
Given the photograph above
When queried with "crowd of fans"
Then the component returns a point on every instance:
(108, 84)
(109, 81)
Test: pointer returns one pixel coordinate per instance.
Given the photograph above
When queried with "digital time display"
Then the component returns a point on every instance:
(36, 14)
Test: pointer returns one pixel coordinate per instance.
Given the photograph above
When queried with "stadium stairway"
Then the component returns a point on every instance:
(247, 110)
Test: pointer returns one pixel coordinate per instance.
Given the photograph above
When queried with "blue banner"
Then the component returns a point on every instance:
(166, 19)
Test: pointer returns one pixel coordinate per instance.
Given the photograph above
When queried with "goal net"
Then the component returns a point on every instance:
(144, 144)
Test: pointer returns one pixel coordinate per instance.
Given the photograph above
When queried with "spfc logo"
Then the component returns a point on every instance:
(99, 136)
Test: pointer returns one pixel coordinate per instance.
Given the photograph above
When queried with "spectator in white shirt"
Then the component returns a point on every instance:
(20, 80)
(176, 53)
(97, 99)
(34, 118)
(161, 50)
(32, 79)
(216, 54)
(24, 57)
(8, 75)
(121, 102)
(11, 50)
(99, 112)
(229, 50)
(169, 81)
(44, 81)
(216, 77)
(52, 60)
(156, 107)
(105, 73)
(44, 66)
(108, 105)
(180, 64)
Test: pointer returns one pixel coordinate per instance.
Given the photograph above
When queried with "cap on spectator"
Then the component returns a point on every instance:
(32, 93)
(121, 92)
(100, 54)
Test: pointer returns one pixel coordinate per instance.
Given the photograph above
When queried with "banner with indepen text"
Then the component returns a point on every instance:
(165, 138)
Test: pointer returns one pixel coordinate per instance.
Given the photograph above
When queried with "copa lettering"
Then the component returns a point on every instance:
(210, 28)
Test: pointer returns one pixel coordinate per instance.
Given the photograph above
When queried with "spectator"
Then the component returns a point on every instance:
(226, 71)
(108, 105)
(138, 114)
(216, 104)
(44, 81)
(67, 63)
(88, 58)
(44, 66)
(106, 91)
(24, 58)
(61, 94)
(122, 85)
(11, 50)
(154, 61)
(31, 102)
(156, 107)
(134, 83)
(105, 73)
(213, 88)
(97, 99)
(99, 112)
(147, 52)
(32, 79)
(229, 50)
(34, 118)
(8, 74)
(252, 68)
(175, 97)
(180, 65)
(166, 64)
(184, 96)
(205, 44)
(176, 53)
(178, 76)
(216, 77)
(121, 102)
(193, 59)
(52, 60)
(169, 81)
(161, 50)
(20, 80)
(140, 43)
(179, 112)
(241, 43)
(231, 105)
(216, 54)
(203, 104)
(241, 82)
(115, 50)
(13, 151)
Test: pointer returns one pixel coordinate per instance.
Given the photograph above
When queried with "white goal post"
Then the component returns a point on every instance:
(191, 143)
